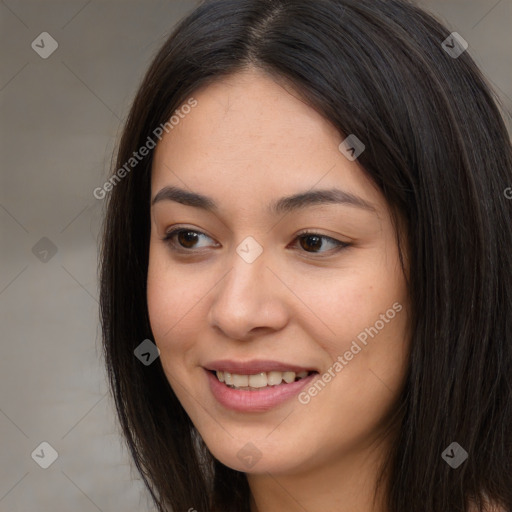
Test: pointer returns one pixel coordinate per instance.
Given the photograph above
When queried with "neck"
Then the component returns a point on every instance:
(345, 483)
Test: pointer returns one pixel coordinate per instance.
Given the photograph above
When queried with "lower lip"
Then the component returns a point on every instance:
(255, 401)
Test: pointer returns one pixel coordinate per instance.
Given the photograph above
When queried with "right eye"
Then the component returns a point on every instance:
(183, 239)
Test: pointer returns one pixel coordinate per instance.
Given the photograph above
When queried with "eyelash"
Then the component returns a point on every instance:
(168, 239)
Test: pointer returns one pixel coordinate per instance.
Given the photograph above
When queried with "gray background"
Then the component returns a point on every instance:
(61, 118)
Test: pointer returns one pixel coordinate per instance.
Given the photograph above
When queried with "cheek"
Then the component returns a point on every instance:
(160, 295)
(166, 296)
(371, 348)
(176, 301)
(363, 319)
(343, 305)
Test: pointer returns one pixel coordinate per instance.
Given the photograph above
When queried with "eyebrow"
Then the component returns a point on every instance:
(283, 205)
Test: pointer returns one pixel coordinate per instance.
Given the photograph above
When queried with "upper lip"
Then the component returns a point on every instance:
(254, 366)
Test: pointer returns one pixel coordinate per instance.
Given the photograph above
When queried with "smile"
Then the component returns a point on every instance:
(256, 386)
(259, 380)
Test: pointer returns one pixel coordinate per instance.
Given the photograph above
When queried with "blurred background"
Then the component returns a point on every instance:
(69, 70)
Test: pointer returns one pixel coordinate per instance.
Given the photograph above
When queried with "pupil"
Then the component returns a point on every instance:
(187, 237)
(316, 244)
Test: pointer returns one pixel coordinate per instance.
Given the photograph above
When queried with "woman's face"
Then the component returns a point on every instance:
(242, 290)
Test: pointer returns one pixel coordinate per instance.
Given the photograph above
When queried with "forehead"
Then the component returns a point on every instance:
(251, 135)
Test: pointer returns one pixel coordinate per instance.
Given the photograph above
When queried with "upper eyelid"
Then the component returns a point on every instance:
(173, 231)
(178, 229)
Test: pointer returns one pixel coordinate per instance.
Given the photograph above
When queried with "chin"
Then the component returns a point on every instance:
(257, 456)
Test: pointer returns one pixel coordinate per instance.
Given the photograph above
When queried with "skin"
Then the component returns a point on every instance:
(250, 141)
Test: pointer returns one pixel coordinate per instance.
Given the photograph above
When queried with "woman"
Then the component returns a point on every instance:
(309, 220)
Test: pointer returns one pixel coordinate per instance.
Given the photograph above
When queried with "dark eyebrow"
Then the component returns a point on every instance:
(283, 205)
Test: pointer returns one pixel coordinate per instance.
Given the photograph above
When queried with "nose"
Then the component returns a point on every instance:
(249, 301)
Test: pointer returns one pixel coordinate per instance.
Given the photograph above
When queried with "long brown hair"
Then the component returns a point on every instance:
(437, 148)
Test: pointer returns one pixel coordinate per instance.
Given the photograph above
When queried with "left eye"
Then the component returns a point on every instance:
(185, 240)
(316, 241)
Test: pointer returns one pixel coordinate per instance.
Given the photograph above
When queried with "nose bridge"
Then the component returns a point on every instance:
(246, 299)
(244, 287)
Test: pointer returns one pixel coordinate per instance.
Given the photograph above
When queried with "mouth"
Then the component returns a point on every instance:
(256, 386)
(261, 380)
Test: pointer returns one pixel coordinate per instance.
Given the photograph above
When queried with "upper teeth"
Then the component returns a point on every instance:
(259, 380)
